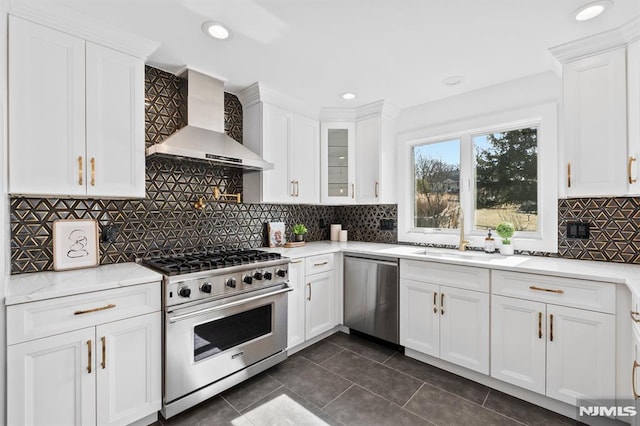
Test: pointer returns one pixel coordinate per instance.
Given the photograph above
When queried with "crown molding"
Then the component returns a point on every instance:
(379, 108)
(338, 114)
(77, 24)
(602, 42)
(258, 92)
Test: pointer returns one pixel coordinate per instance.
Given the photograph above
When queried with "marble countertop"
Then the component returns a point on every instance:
(619, 273)
(46, 285)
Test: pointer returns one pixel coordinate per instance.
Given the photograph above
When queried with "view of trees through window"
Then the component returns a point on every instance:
(505, 169)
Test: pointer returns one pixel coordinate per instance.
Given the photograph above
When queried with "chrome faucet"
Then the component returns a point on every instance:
(462, 245)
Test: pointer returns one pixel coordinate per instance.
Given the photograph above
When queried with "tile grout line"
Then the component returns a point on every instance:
(236, 410)
(412, 395)
(338, 396)
(311, 403)
(485, 398)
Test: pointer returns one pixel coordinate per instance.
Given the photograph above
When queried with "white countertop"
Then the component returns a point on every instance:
(46, 285)
(620, 273)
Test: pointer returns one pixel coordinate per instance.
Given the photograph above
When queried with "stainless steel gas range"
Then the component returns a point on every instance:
(225, 320)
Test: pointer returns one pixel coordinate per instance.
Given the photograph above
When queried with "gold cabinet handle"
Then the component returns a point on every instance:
(633, 379)
(377, 188)
(353, 190)
(296, 261)
(293, 188)
(548, 290)
(634, 315)
(89, 356)
(80, 170)
(101, 308)
(442, 303)
(93, 171)
(551, 328)
(297, 188)
(435, 302)
(309, 296)
(629, 169)
(321, 263)
(103, 364)
(569, 175)
(539, 325)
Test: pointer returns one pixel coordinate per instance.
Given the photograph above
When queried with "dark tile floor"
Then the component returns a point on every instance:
(348, 380)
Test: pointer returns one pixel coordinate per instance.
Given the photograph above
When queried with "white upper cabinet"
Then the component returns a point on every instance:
(337, 150)
(595, 125)
(76, 116)
(289, 140)
(601, 96)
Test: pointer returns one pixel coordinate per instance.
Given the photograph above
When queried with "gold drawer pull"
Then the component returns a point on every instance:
(309, 297)
(548, 290)
(633, 379)
(442, 303)
(101, 308)
(89, 356)
(634, 316)
(353, 191)
(551, 328)
(539, 325)
(435, 302)
(293, 188)
(629, 169)
(569, 175)
(377, 188)
(296, 261)
(321, 264)
(93, 171)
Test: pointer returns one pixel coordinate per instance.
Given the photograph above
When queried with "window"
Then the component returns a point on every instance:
(484, 175)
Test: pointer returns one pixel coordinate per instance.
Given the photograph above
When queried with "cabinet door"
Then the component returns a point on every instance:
(304, 159)
(337, 155)
(46, 111)
(276, 132)
(320, 304)
(368, 160)
(53, 380)
(128, 369)
(635, 373)
(518, 336)
(115, 123)
(420, 316)
(633, 117)
(464, 328)
(595, 125)
(580, 354)
(296, 303)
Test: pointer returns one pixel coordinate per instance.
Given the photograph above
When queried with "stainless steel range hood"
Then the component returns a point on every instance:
(203, 138)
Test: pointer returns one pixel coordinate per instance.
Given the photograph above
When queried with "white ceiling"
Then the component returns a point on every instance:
(397, 50)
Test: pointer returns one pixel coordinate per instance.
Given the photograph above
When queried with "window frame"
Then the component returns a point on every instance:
(543, 117)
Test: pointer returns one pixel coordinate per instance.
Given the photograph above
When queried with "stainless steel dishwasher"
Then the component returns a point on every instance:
(371, 296)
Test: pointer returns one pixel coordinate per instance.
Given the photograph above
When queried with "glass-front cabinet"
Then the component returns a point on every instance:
(338, 163)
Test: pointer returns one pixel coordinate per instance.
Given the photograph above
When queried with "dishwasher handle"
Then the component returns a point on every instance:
(372, 260)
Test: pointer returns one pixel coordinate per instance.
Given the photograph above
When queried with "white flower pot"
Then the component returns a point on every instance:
(506, 249)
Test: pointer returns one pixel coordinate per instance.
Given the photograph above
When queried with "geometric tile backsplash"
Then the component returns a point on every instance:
(166, 222)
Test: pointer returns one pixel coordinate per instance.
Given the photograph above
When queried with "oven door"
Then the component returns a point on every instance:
(209, 341)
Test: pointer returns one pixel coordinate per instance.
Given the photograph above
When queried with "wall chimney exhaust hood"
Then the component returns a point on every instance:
(203, 137)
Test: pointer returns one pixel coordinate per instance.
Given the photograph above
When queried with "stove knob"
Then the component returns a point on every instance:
(248, 279)
(231, 282)
(184, 292)
(257, 276)
(281, 272)
(205, 288)
(268, 275)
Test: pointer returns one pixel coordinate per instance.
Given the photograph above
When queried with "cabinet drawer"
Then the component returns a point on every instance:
(28, 321)
(584, 294)
(467, 277)
(320, 263)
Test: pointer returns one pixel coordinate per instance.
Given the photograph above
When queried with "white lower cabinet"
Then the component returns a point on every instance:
(562, 352)
(444, 321)
(312, 303)
(635, 373)
(106, 374)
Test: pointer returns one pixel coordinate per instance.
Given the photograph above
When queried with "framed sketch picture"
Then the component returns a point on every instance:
(276, 234)
(75, 244)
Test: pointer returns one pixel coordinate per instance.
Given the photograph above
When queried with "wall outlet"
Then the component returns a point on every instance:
(387, 224)
(578, 230)
(109, 233)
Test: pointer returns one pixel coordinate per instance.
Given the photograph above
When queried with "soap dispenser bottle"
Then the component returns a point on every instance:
(489, 244)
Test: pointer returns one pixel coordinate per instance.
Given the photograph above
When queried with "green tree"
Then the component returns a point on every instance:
(506, 171)
(435, 207)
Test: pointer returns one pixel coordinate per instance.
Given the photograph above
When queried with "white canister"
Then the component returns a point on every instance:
(343, 236)
(335, 231)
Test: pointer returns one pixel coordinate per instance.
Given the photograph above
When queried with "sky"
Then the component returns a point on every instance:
(448, 151)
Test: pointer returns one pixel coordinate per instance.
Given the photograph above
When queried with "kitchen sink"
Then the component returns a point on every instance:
(451, 254)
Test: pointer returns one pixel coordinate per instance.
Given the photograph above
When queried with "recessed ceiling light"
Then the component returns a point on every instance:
(591, 10)
(216, 30)
(454, 80)
(348, 96)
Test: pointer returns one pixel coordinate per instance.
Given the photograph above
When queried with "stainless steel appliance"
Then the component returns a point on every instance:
(225, 320)
(371, 296)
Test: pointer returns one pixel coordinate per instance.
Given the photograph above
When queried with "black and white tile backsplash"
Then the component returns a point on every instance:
(166, 222)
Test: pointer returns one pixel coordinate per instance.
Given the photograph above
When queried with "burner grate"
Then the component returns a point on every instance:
(197, 262)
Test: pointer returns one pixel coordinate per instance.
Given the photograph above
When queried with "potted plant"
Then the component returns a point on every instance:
(506, 231)
(299, 230)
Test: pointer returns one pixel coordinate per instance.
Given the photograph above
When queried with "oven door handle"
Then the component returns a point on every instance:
(229, 305)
